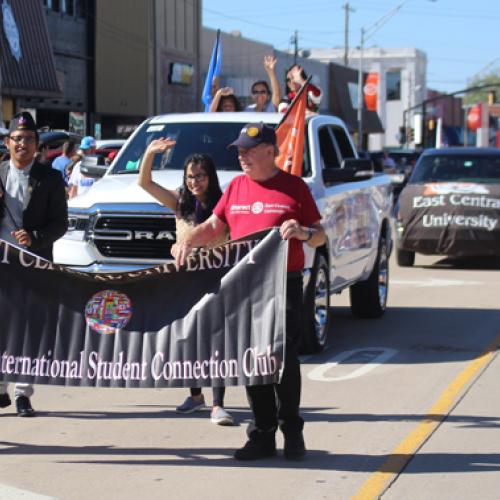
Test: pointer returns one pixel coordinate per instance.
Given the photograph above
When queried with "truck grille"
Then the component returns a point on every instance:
(134, 237)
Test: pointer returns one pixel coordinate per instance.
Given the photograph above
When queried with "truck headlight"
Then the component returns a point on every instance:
(77, 228)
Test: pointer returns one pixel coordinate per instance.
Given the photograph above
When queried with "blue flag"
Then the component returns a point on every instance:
(214, 69)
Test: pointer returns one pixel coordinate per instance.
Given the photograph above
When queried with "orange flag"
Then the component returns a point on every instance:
(290, 135)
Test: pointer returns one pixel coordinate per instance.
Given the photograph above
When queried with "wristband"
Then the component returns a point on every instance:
(311, 233)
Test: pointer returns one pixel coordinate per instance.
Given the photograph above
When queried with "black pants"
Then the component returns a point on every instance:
(280, 402)
(218, 394)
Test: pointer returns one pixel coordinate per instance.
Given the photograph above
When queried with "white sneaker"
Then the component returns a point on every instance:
(220, 416)
(191, 405)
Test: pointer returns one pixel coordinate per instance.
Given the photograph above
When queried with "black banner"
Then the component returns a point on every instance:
(218, 321)
(459, 219)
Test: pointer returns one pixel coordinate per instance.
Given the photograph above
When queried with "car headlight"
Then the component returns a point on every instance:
(77, 228)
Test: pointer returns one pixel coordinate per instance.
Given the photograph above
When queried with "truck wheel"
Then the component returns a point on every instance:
(369, 297)
(316, 307)
(405, 258)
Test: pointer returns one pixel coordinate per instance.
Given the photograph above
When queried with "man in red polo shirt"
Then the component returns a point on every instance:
(264, 197)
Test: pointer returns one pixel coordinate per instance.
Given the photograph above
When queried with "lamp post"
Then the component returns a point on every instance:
(366, 33)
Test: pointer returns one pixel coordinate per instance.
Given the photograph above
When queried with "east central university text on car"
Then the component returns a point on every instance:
(451, 205)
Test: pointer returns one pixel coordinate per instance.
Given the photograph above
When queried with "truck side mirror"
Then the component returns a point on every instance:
(91, 166)
(351, 170)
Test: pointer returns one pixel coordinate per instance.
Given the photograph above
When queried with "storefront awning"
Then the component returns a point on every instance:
(343, 100)
(27, 62)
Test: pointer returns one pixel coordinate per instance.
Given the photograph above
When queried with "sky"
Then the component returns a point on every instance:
(461, 38)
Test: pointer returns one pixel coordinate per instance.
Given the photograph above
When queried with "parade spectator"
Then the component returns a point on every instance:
(389, 164)
(295, 78)
(75, 160)
(299, 222)
(110, 157)
(192, 204)
(41, 154)
(263, 98)
(225, 101)
(80, 183)
(61, 162)
(33, 214)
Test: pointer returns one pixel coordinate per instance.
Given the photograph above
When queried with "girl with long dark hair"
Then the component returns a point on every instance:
(192, 203)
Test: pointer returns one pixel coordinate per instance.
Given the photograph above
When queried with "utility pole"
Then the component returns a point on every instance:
(360, 91)
(347, 9)
(295, 41)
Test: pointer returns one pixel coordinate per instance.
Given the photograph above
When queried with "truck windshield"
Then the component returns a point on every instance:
(203, 137)
(453, 168)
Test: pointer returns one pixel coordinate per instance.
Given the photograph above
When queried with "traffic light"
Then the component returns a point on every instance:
(402, 135)
(411, 134)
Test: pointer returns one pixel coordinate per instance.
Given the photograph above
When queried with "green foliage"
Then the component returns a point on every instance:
(482, 95)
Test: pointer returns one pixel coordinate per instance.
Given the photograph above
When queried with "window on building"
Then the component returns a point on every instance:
(54, 5)
(393, 85)
(68, 7)
(80, 8)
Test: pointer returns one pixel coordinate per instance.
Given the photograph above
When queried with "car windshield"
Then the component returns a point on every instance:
(453, 168)
(204, 137)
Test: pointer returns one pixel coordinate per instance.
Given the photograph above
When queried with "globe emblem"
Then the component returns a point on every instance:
(108, 311)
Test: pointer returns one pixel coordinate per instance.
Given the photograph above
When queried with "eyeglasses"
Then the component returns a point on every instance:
(197, 177)
(28, 139)
(259, 92)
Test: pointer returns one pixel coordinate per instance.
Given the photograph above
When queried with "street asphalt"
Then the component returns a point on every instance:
(404, 407)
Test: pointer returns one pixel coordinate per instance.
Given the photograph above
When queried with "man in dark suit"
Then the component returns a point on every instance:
(33, 213)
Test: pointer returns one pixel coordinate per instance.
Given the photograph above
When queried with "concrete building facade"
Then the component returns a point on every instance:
(402, 77)
(146, 62)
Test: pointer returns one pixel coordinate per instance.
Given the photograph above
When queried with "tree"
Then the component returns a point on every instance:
(482, 95)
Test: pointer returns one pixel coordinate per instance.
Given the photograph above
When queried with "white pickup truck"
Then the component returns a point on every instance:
(117, 226)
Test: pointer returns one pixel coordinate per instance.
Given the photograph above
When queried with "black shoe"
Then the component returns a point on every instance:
(24, 408)
(260, 445)
(295, 448)
(4, 400)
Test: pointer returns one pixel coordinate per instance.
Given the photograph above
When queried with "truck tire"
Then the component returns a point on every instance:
(316, 310)
(369, 297)
(405, 258)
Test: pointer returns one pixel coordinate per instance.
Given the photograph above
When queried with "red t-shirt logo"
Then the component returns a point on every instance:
(257, 207)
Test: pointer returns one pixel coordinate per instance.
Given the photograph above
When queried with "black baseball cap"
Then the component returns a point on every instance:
(22, 121)
(253, 134)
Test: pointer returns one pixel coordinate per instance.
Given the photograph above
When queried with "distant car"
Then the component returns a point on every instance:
(55, 140)
(97, 165)
(106, 146)
(451, 205)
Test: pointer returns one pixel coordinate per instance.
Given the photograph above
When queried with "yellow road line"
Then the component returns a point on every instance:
(378, 482)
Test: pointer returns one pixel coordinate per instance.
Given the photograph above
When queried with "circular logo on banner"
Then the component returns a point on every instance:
(108, 311)
(257, 207)
(11, 31)
(370, 89)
